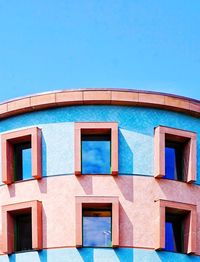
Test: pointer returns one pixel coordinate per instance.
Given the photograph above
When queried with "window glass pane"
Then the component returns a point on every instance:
(97, 228)
(170, 163)
(96, 155)
(22, 161)
(174, 232)
(23, 232)
(174, 161)
(169, 237)
(26, 163)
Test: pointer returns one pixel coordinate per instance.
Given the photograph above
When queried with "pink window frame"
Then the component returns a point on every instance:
(8, 211)
(95, 201)
(190, 224)
(96, 128)
(178, 135)
(8, 140)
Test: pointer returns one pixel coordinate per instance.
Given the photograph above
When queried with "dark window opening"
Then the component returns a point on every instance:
(96, 154)
(174, 232)
(22, 161)
(174, 161)
(22, 232)
(97, 227)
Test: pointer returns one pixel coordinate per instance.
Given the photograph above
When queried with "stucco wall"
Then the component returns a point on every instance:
(136, 130)
(98, 255)
(135, 186)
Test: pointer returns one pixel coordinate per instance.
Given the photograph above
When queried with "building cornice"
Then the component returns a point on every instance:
(99, 96)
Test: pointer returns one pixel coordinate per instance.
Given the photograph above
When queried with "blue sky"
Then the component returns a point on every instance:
(97, 231)
(96, 157)
(67, 44)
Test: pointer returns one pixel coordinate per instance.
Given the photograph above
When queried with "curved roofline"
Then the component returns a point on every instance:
(102, 96)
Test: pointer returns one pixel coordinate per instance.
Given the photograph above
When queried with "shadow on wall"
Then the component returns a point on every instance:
(198, 162)
(159, 256)
(44, 157)
(12, 258)
(106, 254)
(170, 256)
(11, 190)
(126, 160)
(99, 255)
(125, 226)
(170, 189)
(86, 183)
(37, 256)
(44, 227)
(42, 183)
(77, 255)
(125, 185)
(43, 255)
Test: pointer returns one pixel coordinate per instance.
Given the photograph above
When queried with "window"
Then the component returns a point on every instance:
(174, 231)
(21, 155)
(22, 161)
(97, 221)
(176, 226)
(22, 226)
(96, 148)
(22, 232)
(174, 161)
(175, 154)
(95, 153)
(97, 227)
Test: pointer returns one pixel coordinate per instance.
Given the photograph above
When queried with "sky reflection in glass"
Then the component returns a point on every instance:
(174, 232)
(169, 237)
(26, 163)
(96, 156)
(170, 163)
(97, 230)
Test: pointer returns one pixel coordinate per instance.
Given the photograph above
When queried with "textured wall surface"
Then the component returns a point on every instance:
(137, 215)
(135, 186)
(136, 129)
(98, 255)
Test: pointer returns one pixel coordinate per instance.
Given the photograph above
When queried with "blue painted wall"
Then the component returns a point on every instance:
(98, 255)
(136, 129)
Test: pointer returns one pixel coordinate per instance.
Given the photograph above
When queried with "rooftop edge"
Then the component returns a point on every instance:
(100, 96)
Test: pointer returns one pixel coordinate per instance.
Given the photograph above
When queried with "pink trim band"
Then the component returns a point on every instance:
(100, 96)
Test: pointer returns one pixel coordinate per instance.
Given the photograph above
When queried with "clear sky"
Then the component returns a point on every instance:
(65, 44)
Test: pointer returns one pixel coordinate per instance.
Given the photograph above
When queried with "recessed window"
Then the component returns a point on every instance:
(22, 161)
(96, 154)
(23, 232)
(97, 227)
(175, 154)
(174, 161)
(96, 148)
(22, 227)
(176, 226)
(21, 155)
(174, 231)
(97, 221)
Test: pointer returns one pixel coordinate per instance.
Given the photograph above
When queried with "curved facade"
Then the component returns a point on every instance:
(141, 198)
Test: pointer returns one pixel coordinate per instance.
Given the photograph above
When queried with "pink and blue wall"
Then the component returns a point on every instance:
(137, 114)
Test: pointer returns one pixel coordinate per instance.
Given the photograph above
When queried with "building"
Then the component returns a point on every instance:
(100, 175)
